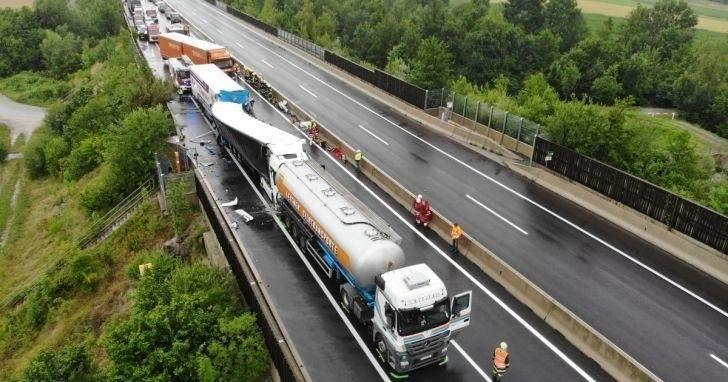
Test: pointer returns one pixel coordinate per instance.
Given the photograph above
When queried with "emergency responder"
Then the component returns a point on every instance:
(501, 363)
(417, 207)
(455, 235)
(358, 155)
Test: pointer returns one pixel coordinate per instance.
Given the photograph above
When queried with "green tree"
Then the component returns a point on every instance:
(564, 19)
(528, 14)
(667, 26)
(179, 205)
(537, 98)
(61, 52)
(99, 18)
(71, 363)
(606, 89)
(186, 324)
(432, 66)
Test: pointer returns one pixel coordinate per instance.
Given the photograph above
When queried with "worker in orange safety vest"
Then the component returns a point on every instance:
(455, 236)
(501, 363)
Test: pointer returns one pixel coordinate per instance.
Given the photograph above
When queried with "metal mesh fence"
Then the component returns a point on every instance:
(301, 43)
(514, 126)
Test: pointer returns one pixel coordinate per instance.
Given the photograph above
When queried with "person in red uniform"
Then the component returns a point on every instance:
(501, 363)
(421, 210)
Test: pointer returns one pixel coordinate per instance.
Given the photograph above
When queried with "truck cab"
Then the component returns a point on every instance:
(413, 320)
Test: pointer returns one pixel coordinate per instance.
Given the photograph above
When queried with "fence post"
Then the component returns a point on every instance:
(533, 149)
(503, 133)
(490, 117)
(427, 95)
(442, 95)
(518, 136)
(465, 107)
(477, 112)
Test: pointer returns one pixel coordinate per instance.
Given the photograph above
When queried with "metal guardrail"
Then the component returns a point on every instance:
(683, 215)
(118, 214)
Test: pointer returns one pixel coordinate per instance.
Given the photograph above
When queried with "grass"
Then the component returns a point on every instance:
(701, 7)
(16, 3)
(707, 142)
(33, 88)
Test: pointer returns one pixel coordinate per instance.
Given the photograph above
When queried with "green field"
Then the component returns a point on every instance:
(701, 7)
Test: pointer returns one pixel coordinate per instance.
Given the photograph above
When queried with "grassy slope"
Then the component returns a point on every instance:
(47, 219)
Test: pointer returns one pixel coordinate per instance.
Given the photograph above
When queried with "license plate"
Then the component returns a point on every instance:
(426, 357)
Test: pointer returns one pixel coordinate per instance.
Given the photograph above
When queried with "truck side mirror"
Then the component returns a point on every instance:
(460, 305)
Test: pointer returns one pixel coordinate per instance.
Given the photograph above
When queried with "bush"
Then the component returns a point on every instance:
(102, 192)
(71, 363)
(83, 159)
(33, 88)
(55, 149)
(186, 324)
(34, 153)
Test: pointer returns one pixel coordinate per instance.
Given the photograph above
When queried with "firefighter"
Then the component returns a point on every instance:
(501, 363)
(417, 209)
(455, 235)
(358, 155)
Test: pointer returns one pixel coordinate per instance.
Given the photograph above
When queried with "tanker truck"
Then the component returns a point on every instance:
(405, 310)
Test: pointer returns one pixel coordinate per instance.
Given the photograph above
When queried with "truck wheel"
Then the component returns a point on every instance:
(345, 298)
(381, 348)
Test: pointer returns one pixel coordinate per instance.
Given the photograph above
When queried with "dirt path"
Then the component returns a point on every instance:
(9, 223)
(20, 118)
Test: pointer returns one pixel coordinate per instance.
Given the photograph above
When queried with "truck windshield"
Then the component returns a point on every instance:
(183, 74)
(415, 321)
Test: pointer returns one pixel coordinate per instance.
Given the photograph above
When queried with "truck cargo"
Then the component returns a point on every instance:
(404, 309)
(199, 51)
(209, 81)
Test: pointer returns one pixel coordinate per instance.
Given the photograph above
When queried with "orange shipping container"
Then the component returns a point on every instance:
(174, 45)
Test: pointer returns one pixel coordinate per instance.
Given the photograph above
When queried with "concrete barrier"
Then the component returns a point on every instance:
(609, 356)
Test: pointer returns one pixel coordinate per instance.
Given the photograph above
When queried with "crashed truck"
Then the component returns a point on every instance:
(405, 309)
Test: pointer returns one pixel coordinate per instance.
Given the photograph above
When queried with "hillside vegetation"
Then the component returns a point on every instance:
(71, 314)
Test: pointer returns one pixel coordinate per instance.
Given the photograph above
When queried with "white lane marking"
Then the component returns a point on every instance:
(505, 187)
(204, 21)
(266, 62)
(470, 360)
(239, 44)
(307, 91)
(496, 214)
(373, 135)
(332, 300)
(447, 258)
(720, 361)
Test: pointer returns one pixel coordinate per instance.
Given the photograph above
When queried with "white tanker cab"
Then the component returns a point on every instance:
(406, 309)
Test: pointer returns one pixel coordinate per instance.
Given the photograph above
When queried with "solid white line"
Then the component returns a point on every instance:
(307, 91)
(447, 258)
(406, 222)
(266, 62)
(470, 360)
(720, 361)
(373, 135)
(332, 300)
(496, 214)
(512, 191)
(239, 44)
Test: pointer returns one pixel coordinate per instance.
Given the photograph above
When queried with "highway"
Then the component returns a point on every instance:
(341, 353)
(665, 314)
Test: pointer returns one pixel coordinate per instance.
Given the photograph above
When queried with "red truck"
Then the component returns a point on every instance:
(174, 45)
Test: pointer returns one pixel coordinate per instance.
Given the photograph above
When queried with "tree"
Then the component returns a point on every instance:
(71, 363)
(269, 13)
(564, 19)
(667, 26)
(61, 52)
(491, 50)
(528, 14)
(606, 89)
(537, 98)
(432, 66)
(186, 324)
(98, 18)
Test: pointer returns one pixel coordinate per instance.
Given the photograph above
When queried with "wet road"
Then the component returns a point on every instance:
(661, 311)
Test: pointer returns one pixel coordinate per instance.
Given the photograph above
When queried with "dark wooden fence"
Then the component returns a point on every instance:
(683, 215)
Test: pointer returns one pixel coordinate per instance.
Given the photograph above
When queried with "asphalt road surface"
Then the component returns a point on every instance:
(664, 313)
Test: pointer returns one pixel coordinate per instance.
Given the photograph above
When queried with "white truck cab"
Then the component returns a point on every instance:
(413, 319)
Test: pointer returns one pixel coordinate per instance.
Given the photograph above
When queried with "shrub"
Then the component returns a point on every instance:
(33, 88)
(34, 153)
(71, 363)
(82, 159)
(55, 149)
